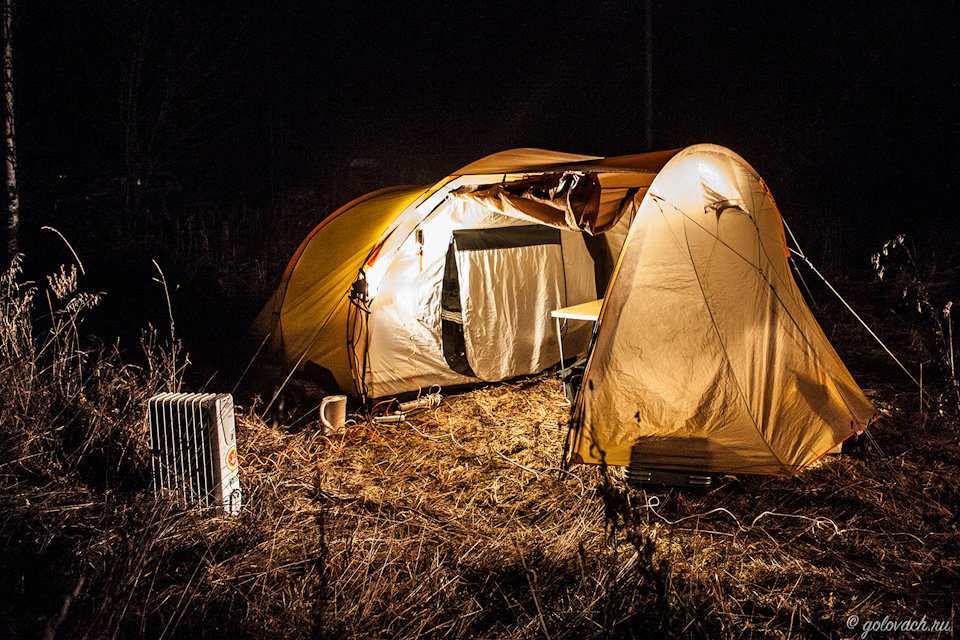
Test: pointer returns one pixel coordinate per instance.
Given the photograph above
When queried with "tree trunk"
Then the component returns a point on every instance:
(648, 74)
(13, 200)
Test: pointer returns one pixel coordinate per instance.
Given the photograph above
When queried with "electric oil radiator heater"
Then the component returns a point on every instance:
(193, 441)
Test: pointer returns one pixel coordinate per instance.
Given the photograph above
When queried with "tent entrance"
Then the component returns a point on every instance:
(499, 286)
(451, 317)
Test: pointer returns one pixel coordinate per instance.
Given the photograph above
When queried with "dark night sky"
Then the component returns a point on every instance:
(846, 108)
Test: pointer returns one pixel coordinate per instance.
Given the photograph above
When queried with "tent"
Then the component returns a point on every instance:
(705, 356)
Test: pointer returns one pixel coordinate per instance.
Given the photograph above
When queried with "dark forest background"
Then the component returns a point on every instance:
(212, 136)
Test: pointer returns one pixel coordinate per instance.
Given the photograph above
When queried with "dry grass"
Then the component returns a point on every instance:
(456, 524)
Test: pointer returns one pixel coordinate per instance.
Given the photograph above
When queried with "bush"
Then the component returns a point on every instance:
(923, 291)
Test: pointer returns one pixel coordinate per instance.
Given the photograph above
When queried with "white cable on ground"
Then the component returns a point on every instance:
(818, 522)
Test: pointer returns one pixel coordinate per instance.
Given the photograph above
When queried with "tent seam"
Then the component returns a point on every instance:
(726, 355)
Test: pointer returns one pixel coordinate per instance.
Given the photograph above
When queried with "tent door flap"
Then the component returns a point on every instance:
(508, 280)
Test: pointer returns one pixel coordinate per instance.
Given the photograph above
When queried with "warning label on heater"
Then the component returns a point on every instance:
(231, 459)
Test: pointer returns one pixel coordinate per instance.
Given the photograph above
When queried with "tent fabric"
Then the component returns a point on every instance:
(406, 348)
(521, 160)
(706, 356)
(307, 317)
(573, 199)
(569, 200)
(308, 320)
(507, 296)
(532, 161)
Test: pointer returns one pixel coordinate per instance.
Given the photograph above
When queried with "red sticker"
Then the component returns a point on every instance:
(232, 458)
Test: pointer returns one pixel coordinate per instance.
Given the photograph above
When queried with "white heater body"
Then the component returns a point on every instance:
(194, 446)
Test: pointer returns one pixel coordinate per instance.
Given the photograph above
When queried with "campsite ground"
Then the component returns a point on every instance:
(457, 523)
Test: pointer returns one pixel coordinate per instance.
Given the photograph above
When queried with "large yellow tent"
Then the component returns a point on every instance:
(705, 357)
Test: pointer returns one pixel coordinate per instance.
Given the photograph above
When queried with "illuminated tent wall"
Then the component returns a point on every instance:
(461, 274)
(705, 357)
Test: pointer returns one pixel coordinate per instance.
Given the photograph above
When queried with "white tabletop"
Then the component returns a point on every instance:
(585, 311)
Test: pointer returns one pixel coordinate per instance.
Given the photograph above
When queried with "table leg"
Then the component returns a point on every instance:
(560, 342)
